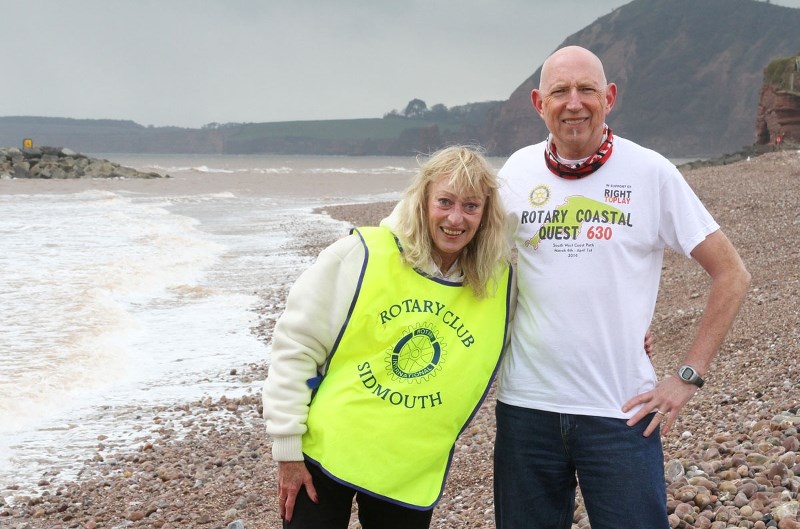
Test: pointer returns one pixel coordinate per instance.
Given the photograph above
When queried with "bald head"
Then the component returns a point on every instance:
(574, 99)
(573, 58)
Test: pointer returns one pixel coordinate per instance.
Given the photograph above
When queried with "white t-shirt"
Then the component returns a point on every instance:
(590, 254)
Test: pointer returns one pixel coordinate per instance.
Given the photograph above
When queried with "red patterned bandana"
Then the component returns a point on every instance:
(585, 168)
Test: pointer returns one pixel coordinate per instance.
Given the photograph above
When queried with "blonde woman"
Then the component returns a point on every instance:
(386, 349)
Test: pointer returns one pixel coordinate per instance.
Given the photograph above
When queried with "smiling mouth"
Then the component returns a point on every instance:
(448, 231)
(574, 121)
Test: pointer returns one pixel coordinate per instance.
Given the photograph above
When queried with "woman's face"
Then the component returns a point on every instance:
(453, 221)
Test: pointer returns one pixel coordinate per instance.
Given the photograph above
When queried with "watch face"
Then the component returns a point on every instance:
(688, 374)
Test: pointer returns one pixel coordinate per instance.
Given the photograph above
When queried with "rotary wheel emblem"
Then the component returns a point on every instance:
(540, 195)
(416, 356)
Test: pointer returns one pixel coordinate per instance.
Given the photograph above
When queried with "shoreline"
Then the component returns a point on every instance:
(733, 455)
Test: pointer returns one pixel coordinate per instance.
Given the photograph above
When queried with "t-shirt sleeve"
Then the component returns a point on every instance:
(685, 221)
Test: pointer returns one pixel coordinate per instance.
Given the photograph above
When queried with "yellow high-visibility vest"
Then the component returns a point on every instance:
(414, 361)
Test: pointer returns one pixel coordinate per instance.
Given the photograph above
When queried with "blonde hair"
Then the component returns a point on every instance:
(466, 169)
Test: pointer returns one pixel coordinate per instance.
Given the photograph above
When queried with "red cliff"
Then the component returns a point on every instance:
(779, 103)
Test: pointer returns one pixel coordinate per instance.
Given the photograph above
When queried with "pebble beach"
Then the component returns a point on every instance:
(732, 460)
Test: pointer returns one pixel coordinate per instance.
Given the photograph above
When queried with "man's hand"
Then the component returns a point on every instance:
(666, 401)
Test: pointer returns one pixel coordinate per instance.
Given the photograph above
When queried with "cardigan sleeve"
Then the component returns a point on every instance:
(316, 309)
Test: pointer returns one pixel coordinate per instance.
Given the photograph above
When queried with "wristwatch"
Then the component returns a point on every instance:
(689, 375)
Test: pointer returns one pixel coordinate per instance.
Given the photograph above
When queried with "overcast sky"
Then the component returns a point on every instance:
(192, 62)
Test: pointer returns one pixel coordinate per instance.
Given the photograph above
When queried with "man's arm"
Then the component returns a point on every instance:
(729, 283)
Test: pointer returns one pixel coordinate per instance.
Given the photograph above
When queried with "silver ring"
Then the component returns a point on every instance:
(661, 412)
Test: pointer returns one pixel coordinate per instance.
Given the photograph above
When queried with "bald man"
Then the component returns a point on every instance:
(591, 214)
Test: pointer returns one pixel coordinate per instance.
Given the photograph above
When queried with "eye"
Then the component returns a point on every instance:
(472, 207)
(444, 202)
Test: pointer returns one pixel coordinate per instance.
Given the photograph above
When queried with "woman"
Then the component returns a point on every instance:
(385, 351)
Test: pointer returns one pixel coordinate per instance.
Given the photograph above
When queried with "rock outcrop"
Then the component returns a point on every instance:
(779, 103)
(56, 162)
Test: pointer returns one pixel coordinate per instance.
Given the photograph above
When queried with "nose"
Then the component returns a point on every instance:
(574, 101)
(456, 214)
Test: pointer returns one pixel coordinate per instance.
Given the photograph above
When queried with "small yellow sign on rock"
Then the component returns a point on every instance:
(27, 143)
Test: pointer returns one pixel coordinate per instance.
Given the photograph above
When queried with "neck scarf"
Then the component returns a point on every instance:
(574, 171)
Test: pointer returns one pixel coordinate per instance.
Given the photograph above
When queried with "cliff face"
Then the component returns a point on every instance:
(779, 103)
(688, 73)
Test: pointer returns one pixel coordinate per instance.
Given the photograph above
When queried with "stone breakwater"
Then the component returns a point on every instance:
(58, 163)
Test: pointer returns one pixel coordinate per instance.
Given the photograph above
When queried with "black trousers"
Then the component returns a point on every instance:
(336, 503)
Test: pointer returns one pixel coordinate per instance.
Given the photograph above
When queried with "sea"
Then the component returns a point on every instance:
(123, 294)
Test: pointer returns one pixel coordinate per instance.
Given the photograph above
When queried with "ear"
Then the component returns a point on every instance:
(611, 96)
(536, 100)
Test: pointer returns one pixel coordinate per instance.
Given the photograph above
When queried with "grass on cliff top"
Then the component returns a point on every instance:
(778, 73)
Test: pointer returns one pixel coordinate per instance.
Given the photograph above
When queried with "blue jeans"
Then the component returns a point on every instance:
(540, 456)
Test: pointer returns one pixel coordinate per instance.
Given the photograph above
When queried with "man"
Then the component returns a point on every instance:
(577, 400)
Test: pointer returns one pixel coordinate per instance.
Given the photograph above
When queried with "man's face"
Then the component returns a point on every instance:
(574, 100)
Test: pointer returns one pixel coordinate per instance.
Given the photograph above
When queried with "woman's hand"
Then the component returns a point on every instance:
(292, 476)
(649, 343)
